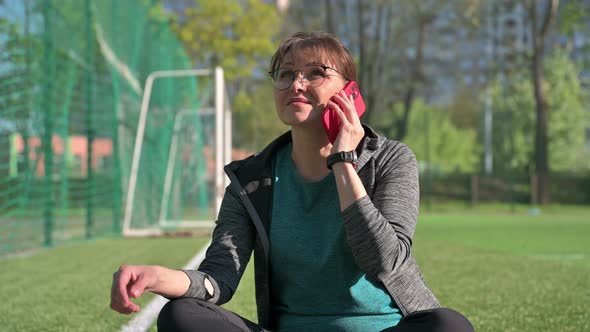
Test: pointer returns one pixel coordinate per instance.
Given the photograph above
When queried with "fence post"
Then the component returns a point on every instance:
(89, 117)
(25, 180)
(474, 190)
(47, 106)
(117, 197)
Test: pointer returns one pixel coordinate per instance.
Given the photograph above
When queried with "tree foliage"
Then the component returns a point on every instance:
(573, 16)
(464, 108)
(257, 118)
(384, 38)
(396, 46)
(514, 119)
(438, 142)
(239, 36)
(236, 35)
(568, 118)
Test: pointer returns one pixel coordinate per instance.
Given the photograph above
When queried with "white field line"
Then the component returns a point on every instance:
(148, 314)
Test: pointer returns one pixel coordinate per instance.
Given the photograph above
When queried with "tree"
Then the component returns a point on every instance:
(568, 117)
(539, 34)
(514, 102)
(239, 36)
(449, 149)
(257, 118)
(464, 108)
(389, 40)
(424, 14)
(421, 22)
(234, 35)
(513, 126)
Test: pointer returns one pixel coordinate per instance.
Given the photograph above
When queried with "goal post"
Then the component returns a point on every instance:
(190, 168)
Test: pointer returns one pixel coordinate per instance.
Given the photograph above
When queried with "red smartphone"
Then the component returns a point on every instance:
(330, 119)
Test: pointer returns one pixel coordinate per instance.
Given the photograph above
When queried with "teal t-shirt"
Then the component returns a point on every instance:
(316, 284)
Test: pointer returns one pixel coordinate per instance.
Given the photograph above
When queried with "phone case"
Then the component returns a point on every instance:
(330, 119)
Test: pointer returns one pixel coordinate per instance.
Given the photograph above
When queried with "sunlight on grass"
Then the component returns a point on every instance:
(510, 272)
(68, 288)
(504, 271)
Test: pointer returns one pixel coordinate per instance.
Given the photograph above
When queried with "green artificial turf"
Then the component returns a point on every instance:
(511, 272)
(68, 288)
(505, 271)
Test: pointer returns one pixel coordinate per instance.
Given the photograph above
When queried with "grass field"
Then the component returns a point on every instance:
(68, 288)
(510, 272)
(505, 271)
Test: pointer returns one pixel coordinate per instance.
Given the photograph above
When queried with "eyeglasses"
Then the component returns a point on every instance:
(314, 75)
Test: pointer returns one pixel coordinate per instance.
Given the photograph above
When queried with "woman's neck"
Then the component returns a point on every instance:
(310, 151)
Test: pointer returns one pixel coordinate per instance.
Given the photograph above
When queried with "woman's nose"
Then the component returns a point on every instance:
(298, 83)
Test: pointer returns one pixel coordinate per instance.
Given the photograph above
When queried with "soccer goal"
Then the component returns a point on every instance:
(176, 180)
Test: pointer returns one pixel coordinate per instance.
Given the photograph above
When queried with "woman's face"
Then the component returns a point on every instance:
(301, 104)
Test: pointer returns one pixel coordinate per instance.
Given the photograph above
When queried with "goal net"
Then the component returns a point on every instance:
(176, 179)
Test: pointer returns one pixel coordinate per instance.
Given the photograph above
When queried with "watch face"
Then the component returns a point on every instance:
(345, 156)
(350, 156)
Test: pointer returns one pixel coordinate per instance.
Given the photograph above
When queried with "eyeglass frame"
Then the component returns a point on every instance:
(324, 67)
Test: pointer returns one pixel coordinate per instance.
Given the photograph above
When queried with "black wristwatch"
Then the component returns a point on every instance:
(345, 156)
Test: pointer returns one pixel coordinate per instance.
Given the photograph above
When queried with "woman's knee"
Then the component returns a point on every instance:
(451, 320)
(195, 315)
(179, 315)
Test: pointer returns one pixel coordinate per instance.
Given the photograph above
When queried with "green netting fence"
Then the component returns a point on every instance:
(71, 80)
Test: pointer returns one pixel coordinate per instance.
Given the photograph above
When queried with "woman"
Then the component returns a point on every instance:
(331, 236)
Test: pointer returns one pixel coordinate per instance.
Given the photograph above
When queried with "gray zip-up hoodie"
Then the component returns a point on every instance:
(379, 227)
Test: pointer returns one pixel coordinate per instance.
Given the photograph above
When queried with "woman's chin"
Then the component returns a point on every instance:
(307, 124)
(295, 118)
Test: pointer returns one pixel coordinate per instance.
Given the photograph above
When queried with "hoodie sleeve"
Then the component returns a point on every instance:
(380, 228)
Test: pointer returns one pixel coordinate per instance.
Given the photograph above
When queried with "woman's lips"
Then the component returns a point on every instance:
(298, 100)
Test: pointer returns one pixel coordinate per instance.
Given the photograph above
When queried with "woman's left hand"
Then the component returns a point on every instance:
(351, 130)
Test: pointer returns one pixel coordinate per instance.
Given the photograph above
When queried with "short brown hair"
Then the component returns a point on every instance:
(317, 42)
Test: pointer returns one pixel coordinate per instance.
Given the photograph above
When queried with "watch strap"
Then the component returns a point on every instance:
(342, 156)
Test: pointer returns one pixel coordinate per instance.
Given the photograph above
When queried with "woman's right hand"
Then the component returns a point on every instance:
(130, 281)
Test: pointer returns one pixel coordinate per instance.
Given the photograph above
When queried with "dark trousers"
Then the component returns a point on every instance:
(196, 315)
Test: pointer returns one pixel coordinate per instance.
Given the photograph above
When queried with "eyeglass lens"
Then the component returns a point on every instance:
(314, 75)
